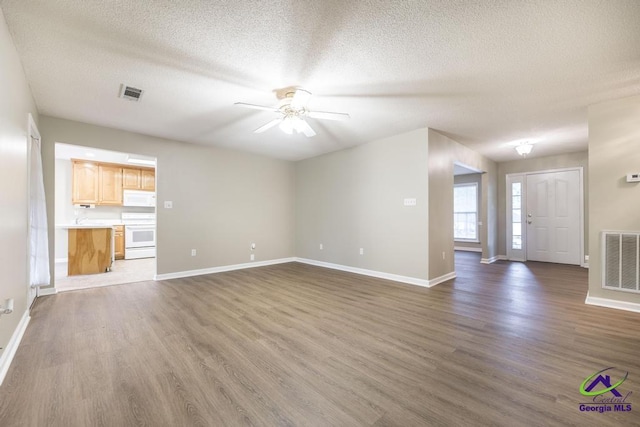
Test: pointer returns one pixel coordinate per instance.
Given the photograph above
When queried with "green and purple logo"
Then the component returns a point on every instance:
(600, 388)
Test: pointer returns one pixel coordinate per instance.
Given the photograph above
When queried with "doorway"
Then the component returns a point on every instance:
(545, 216)
(124, 188)
(467, 215)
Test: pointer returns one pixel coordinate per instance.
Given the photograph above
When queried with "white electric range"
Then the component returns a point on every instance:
(139, 235)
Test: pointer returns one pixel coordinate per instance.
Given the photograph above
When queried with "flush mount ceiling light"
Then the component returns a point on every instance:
(524, 148)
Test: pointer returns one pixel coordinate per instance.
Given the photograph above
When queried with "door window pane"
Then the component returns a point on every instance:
(516, 215)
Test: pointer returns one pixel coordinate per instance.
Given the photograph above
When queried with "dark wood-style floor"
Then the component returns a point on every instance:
(503, 344)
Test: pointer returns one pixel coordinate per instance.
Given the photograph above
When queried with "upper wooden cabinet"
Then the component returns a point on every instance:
(148, 179)
(131, 178)
(85, 182)
(95, 183)
(139, 179)
(110, 186)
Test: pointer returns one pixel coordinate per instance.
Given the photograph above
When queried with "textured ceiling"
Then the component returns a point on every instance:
(485, 73)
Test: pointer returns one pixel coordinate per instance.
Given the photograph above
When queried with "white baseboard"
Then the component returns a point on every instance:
(200, 272)
(493, 259)
(442, 278)
(611, 303)
(47, 291)
(365, 272)
(10, 351)
(467, 249)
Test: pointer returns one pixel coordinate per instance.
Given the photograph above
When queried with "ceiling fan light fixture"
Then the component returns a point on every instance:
(524, 148)
(286, 126)
(292, 110)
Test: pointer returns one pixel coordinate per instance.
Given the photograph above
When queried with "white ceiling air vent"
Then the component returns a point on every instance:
(130, 93)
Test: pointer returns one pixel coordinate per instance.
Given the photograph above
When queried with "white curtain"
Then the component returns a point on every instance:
(38, 230)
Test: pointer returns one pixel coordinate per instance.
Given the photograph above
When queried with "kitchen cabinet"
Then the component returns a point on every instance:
(148, 180)
(119, 242)
(85, 182)
(139, 179)
(131, 178)
(110, 185)
(95, 183)
(89, 250)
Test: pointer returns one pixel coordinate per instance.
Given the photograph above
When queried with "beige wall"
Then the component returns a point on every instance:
(443, 152)
(466, 179)
(353, 199)
(16, 103)
(614, 204)
(223, 200)
(535, 164)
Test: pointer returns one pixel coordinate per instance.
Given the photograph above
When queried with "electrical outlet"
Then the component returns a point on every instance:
(252, 257)
(168, 204)
(321, 247)
(361, 251)
(443, 255)
(193, 252)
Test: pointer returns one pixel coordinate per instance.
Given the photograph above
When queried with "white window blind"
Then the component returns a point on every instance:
(465, 211)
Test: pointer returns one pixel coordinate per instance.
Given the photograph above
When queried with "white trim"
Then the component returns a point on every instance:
(372, 273)
(443, 278)
(585, 265)
(493, 259)
(190, 273)
(61, 260)
(611, 303)
(10, 351)
(42, 292)
(467, 249)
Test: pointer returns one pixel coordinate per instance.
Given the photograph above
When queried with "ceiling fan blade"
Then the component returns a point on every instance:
(326, 115)
(306, 129)
(257, 107)
(300, 99)
(269, 125)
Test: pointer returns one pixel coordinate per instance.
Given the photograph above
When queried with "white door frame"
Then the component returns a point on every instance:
(521, 255)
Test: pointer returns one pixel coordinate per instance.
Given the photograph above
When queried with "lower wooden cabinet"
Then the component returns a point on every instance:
(89, 250)
(119, 242)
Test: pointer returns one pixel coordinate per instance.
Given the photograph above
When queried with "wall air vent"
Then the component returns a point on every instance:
(130, 93)
(621, 261)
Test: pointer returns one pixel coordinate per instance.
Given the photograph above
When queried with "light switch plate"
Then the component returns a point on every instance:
(168, 204)
(410, 202)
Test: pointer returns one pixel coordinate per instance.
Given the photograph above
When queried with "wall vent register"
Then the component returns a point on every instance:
(621, 261)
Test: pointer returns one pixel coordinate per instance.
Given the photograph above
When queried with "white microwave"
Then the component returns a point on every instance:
(139, 198)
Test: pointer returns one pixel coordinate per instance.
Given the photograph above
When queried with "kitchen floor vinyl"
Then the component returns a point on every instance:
(123, 271)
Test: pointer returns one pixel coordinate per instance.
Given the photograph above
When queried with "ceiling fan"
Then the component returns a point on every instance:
(292, 110)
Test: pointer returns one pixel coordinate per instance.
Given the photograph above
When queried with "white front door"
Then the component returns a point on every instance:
(553, 217)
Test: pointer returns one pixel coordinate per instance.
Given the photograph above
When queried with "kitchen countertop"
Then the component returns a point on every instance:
(84, 225)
